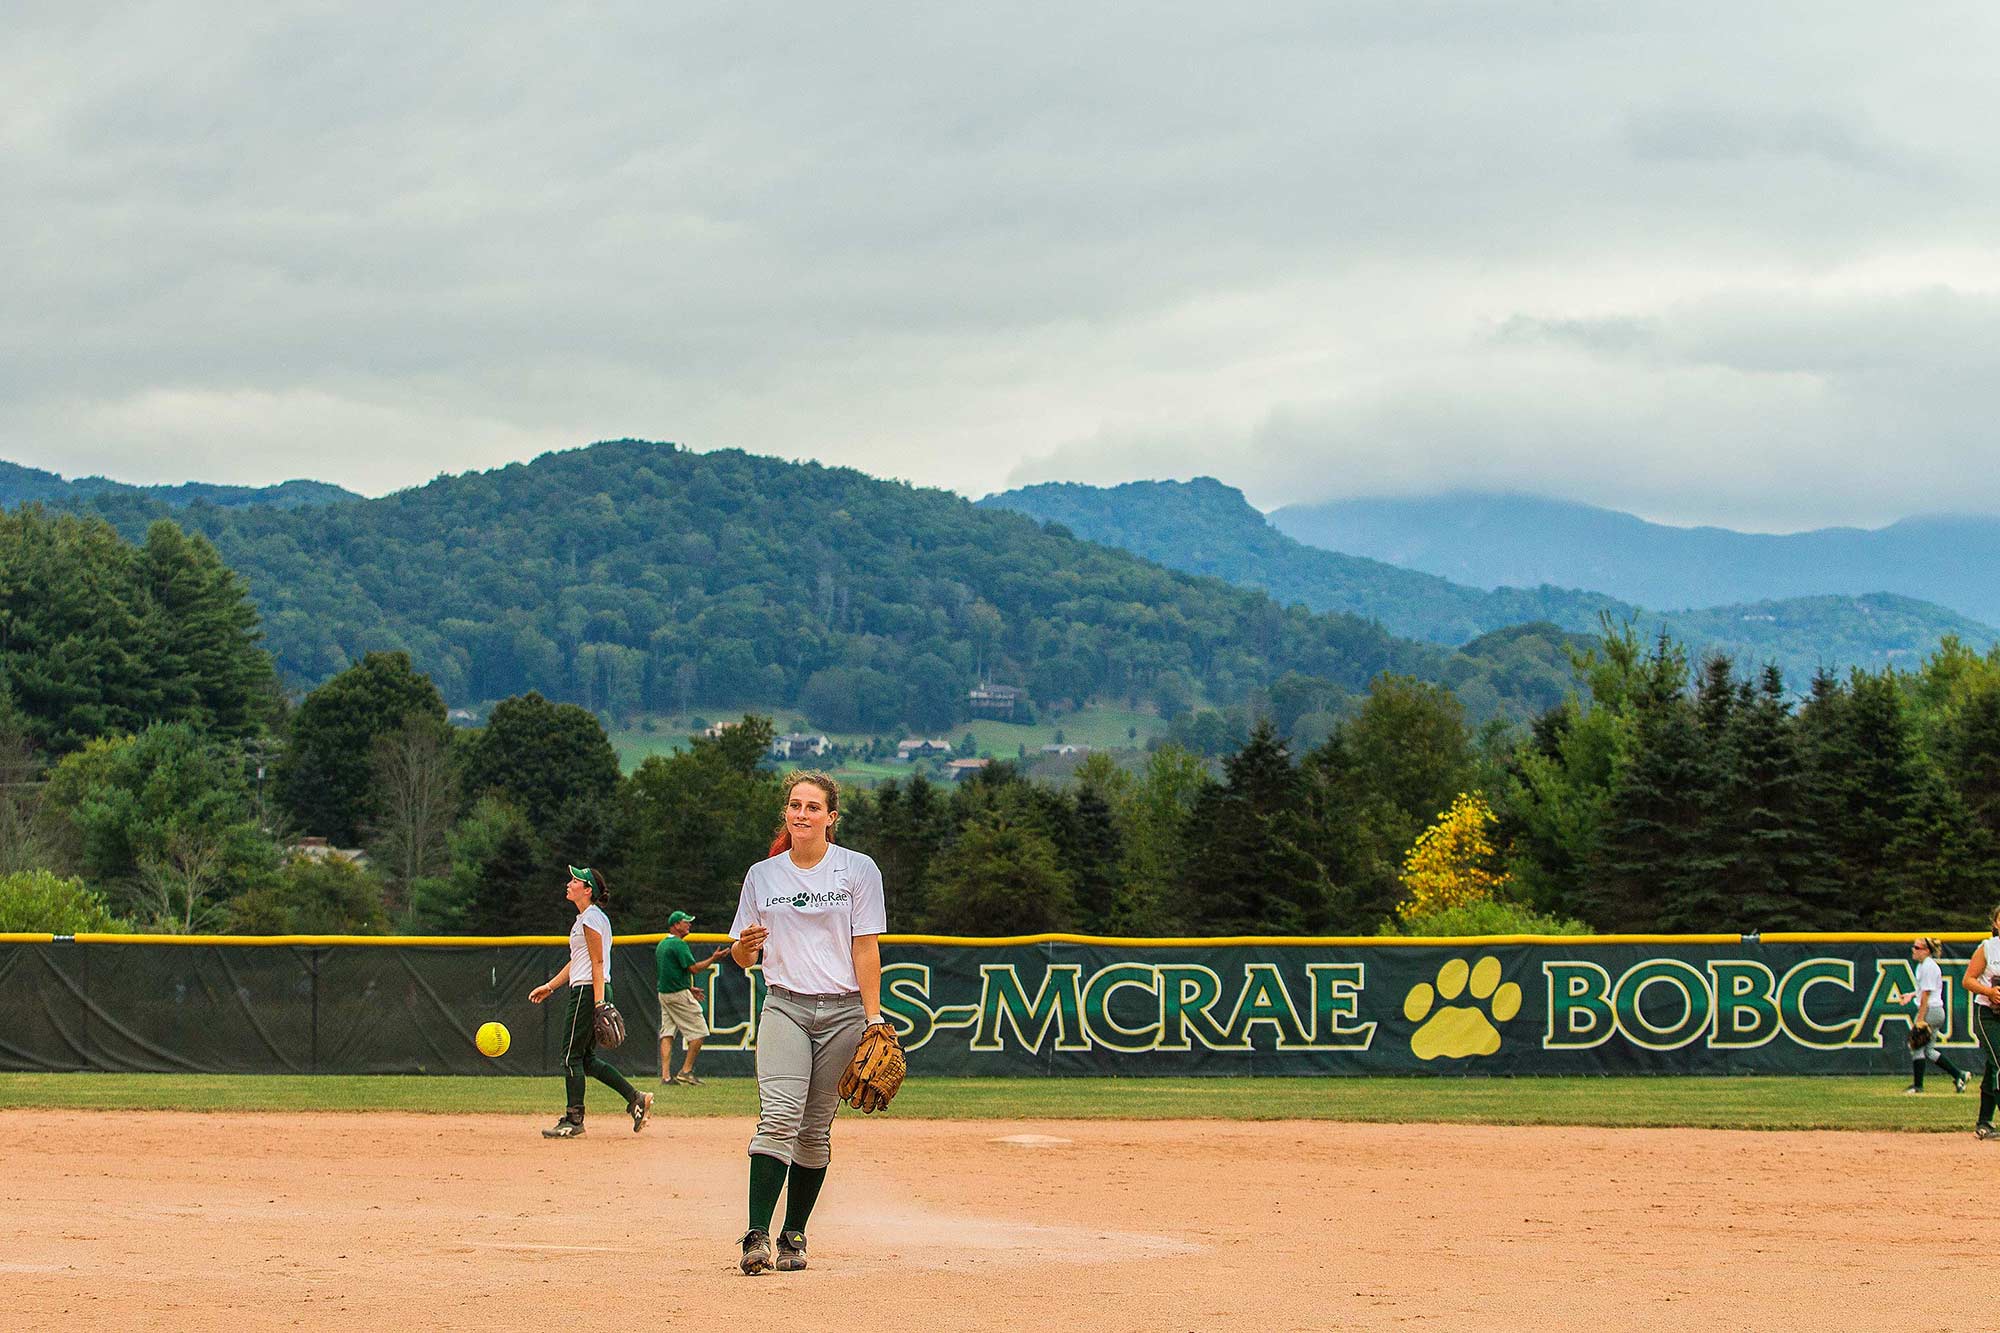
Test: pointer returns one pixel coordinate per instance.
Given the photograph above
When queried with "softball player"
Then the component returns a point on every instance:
(1927, 1004)
(1982, 978)
(588, 973)
(814, 911)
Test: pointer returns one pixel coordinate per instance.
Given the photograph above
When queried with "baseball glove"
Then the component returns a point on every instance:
(876, 1071)
(1920, 1036)
(609, 1025)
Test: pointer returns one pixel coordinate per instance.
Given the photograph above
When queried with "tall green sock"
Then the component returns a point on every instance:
(802, 1195)
(767, 1179)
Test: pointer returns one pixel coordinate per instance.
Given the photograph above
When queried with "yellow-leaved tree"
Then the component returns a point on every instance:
(1451, 863)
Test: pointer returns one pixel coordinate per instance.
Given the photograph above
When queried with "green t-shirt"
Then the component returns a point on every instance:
(673, 959)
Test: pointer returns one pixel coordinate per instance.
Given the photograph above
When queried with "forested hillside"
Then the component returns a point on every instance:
(21, 484)
(1492, 540)
(1205, 527)
(151, 776)
(634, 577)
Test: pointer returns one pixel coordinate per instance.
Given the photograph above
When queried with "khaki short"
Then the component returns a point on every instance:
(681, 1012)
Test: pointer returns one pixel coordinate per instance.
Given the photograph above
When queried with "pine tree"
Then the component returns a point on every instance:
(1779, 876)
(1253, 868)
(1641, 878)
(1000, 876)
(1970, 756)
(902, 828)
(1945, 859)
(1881, 812)
(207, 629)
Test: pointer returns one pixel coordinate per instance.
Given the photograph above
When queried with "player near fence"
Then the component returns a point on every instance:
(814, 911)
(1982, 979)
(1927, 1017)
(675, 967)
(588, 974)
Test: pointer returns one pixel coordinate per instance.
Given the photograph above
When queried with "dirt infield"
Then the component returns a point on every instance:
(192, 1221)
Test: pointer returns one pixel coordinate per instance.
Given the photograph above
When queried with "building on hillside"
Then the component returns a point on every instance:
(960, 769)
(1065, 749)
(322, 849)
(994, 700)
(714, 730)
(918, 747)
(799, 745)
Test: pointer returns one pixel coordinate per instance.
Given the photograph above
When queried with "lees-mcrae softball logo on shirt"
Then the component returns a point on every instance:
(805, 899)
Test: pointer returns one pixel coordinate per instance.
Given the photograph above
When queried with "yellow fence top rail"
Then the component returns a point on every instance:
(1017, 941)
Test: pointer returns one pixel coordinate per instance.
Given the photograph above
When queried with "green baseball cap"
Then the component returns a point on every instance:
(675, 918)
(587, 875)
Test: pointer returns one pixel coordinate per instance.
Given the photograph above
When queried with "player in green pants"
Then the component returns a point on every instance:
(588, 973)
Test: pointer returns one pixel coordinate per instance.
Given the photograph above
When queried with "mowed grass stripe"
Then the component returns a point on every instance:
(1706, 1103)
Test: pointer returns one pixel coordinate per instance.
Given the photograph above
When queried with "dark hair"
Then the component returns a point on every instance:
(593, 879)
(782, 840)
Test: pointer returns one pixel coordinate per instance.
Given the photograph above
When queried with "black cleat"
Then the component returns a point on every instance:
(641, 1111)
(565, 1128)
(756, 1252)
(1958, 1082)
(791, 1251)
(1982, 1130)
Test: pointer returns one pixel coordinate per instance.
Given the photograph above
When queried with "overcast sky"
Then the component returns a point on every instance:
(1704, 262)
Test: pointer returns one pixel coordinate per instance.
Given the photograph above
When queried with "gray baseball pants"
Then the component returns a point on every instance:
(804, 1045)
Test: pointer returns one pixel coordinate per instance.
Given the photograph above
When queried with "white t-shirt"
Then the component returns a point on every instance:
(579, 948)
(813, 916)
(1930, 982)
(1992, 974)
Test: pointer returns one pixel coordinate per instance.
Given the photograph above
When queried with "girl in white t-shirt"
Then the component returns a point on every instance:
(813, 910)
(588, 973)
(1927, 1007)
(1982, 979)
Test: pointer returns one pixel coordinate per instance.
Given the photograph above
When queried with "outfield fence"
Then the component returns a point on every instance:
(1043, 1004)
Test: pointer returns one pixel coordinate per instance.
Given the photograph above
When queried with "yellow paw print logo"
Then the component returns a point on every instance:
(1457, 1030)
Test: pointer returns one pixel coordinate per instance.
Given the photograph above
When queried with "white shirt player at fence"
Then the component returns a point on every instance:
(1992, 977)
(579, 948)
(1930, 985)
(813, 916)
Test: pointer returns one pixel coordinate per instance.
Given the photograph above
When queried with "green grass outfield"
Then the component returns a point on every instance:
(1707, 1103)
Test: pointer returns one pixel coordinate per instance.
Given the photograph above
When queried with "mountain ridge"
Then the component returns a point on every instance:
(631, 577)
(20, 484)
(1493, 539)
(1206, 526)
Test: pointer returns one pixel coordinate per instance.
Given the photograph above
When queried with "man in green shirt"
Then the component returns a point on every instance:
(680, 998)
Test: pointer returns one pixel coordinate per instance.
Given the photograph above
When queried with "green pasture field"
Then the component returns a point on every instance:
(1703, 1103)
(1099, 728)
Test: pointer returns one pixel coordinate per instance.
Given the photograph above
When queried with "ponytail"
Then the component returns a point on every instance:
(781, 842)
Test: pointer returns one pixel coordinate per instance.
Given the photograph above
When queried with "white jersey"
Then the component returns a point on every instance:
(813, 917)
(579, 948)
(1930, 985)
(1992, 976)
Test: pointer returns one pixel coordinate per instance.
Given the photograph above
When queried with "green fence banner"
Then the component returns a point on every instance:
(1579, 1006)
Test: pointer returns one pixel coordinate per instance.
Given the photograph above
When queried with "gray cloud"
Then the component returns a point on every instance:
(1647, 254)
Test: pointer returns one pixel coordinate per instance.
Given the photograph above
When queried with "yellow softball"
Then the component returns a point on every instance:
(492, 1039)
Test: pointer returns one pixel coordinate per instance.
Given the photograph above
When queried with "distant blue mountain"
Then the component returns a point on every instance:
(1206, 527)
(20, 484)
(1492, 541)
